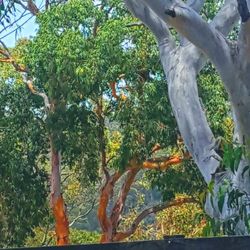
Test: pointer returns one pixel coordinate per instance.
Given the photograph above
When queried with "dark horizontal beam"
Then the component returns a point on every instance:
(170, 243)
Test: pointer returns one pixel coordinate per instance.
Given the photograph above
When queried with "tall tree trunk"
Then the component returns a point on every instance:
(56, 200)
(182, 64)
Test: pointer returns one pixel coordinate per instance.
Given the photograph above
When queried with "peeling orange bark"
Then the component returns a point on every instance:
(61, 222)
(109, 224)
(56, 200)
(31, 87)
(156, 147)
(162, 165)
(113, 89)
(114, 93)
(120, 203)
(8, 60)
(104, 220)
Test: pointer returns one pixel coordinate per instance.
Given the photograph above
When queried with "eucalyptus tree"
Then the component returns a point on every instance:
(81, 52)
(200, 39)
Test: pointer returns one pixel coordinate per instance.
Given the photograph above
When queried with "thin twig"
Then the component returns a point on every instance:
(83, 215)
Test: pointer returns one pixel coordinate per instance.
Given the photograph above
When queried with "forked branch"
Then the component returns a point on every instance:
(151, 20)
(191, 25)
(152, 210)
(7, 58)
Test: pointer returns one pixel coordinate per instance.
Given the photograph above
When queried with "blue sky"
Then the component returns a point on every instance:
(28, 30)
(27, 23)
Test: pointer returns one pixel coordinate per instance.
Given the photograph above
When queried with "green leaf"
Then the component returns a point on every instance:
(210, 187)
(238, 152)
(221, 197)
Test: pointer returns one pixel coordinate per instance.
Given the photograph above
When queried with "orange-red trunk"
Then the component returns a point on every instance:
(57, 202)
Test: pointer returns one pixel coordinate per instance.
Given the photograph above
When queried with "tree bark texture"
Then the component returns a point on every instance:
(109, 221)
(182, 64)
(56, 200)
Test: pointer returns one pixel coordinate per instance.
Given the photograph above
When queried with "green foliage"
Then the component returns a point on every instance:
(182, 179)
(230, 196)
(215, 101)
(84, 237)
(187, 219)
(232, 157)
(23, 186)
(146, 119)
(211, 8)
(77, 236)
(78, 51)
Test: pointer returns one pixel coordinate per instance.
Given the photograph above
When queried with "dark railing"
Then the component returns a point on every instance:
(169, 243)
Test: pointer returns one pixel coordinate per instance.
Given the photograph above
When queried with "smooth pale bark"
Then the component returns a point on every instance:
(181, 66)
(231, 63)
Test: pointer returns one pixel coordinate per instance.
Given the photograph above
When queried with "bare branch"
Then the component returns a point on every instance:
(136, 24)
(196, 5)
(188, 23)
(163, 163)
(83, 215)
(27, 20)
(31, 6)
(226, 18)
(150, 19)
(6, 53)
(24, 72)
(25, 13)
(29, 84)
(153, 210)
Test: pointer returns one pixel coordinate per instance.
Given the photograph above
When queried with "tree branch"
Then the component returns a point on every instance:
(153, 210)
(83, 215)
(226, 18)
(196, 5)
(15, 21)
(188, 23)
(105, 222)
(135, 24)
(31, 6)
(244, 35)
(29, 84)
(243, 10)
(119, 205)
(24, 72)
(150, 19)
(163, 163)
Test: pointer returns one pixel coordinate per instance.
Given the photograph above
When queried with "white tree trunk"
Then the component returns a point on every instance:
(182, 64)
